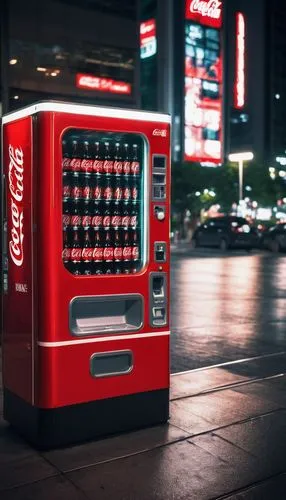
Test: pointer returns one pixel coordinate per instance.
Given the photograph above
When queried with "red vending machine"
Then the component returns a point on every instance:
(85, 271)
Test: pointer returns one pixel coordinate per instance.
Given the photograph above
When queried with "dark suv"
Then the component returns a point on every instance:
(225, 232)
(275, 238)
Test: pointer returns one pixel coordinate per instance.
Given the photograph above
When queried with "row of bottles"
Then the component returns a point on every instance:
(101, 189)
(100, 158)
(100, 215)
(87, 252)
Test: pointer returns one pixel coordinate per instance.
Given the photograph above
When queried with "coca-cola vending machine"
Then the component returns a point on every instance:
(85, 271)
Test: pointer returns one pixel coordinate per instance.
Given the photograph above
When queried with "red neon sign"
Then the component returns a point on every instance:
(148, 41)
(102, 84)
(205, 12)
(239, 86)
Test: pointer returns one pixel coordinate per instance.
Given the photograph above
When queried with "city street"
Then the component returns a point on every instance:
(226, 307)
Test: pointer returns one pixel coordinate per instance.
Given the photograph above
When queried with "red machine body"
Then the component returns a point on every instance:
(85, 342)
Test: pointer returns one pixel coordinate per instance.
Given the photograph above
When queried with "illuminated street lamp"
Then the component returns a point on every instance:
(240, 158)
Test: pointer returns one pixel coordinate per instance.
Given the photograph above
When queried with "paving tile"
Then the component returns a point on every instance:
(12, 447)
(263, 437)
(190, 383)
(24, 470)
(181, 471)
(264, 367)
(274, 488)
(182, 417)
(115, 447)
(219, 409)
(273, 391)
(56, 488)
(222, 449)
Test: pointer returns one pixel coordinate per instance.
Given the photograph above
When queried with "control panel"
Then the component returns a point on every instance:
(158, 299)
(159, 166)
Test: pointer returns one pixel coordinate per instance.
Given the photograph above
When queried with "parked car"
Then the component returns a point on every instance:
(274, 238)
(226, 232)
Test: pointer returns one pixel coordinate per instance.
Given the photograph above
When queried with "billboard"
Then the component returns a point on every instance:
(239, 85)
(148, 40)
(203, 82)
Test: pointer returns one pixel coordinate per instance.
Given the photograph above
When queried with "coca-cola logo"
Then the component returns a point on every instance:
(118, 193)
(159, 132)
(76, 254)
(98, 166)
(108, 166)
(87, 254)
(97, 221)
(135, 167)
(97, 192)
(116, 220)
(126, 193)
(98, 254)
(66, 191)
(135, 253)
(16, 188)
(108, 254)
(126, 167)
(75, 164)
(66, 254)
(66, 219)
(118, 253)
(86, 165)
(86, 220)
(108, 193)
(133, 221)
(125, 221)
(206, 8)
(76, 192)
(118, 167)
(75, 220)
(127, 253)
(66, 163)
(106, 221)
(87, 192)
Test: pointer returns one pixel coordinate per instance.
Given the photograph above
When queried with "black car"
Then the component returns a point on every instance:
(274, 238)
(224, 233)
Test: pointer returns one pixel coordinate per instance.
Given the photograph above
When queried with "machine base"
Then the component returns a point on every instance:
(52, 428)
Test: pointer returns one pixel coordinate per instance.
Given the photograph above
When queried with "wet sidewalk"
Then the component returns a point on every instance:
(226, 439)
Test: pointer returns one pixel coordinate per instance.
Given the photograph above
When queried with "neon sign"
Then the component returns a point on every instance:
(239, 87)
(148, 40)
(100, 84)
(206, 12)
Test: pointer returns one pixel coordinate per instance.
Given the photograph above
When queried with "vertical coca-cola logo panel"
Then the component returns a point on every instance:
(16, 188)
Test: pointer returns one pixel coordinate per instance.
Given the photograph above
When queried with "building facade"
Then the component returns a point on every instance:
(77, 50)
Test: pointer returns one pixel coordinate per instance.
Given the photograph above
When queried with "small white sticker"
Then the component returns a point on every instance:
(21, 287)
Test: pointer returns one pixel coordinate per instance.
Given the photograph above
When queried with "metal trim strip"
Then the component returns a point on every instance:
(103, 339)
(79, 109)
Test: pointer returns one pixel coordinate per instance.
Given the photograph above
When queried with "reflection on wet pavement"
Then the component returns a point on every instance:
(226, 308)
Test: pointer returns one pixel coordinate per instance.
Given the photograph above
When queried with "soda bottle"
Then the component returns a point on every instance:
(107, 190)
(97, 190)
(126, 218)
(118, 191)
(86, 163)
(135, 165)
(106, 221)
(75, 219)
(127, 253)
(118, 253)
(135, 252)
(98, 254)
(126, 160)
(118, 163)
(86, 214)
(66, 213)
(66, 253)
(76, 189)
(67, 185)
(96, 218)
(76, 253)
(134, 216)
(108, 163)
(75, 163)
(116, 217)
(108, 254)
(134, 189)
(87, 254)
(66, 161)
(98, 160)
(126, 190)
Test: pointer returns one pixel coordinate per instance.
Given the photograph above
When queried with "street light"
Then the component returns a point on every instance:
(240, 158)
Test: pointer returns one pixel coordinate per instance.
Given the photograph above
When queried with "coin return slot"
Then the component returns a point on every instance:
(101, 315)
(158, 286)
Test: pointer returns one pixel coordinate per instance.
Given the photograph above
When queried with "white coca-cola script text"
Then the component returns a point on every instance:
(16, 188)
(207, 8)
